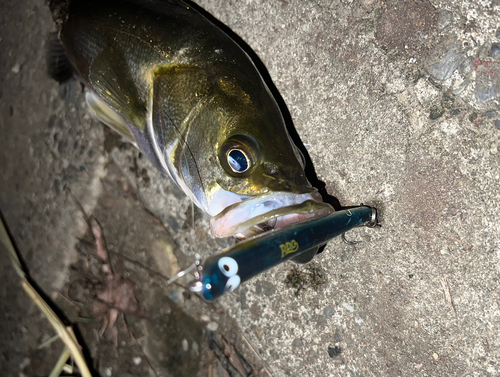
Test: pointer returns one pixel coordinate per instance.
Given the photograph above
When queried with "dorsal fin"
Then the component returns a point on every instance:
(58, 64)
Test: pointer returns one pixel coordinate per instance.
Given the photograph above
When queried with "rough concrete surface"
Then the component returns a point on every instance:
(397, 104)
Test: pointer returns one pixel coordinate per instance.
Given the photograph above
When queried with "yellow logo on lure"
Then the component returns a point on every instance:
(289, 248)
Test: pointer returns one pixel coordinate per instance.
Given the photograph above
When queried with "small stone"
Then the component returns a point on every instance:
(497, 124)
(495, 50)
(436, 112)
(195, 348)
(497, 34)
(367, 3)
(109, 372)
(447, 101)
(348, 307)
(448, 61)
(322, 321)
(466, 66)
(435, 356)
(334, 351)
(487, 89)
(490, 114)
(329, 311)
(212, 326)
(185, 345)
(57, 186)
(265, 287)
(16, 69)
(62, 146)
(137, 360)
(445, 20)
(26, 361)
(173, 295)
(204, 318)
(297, 342)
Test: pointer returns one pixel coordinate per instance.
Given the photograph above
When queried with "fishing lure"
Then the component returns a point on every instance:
(224, 272)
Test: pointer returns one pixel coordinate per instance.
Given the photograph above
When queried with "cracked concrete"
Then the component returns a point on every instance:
(383, 126)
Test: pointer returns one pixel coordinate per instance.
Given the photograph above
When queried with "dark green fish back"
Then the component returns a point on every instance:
(183, 87)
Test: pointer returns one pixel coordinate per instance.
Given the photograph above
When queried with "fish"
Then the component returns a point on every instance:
(187, 95)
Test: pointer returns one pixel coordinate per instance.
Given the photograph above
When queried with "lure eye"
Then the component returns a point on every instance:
(232, 283)
(229, 267)
(238, 160)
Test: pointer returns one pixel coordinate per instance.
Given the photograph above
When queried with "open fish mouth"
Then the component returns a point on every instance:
(267, 212)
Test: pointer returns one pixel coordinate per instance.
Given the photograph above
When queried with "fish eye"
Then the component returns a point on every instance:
(228, 266)
(238, 160)
(239, 154)
(232, 283)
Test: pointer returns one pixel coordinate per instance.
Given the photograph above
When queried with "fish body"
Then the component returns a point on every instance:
(191, 99)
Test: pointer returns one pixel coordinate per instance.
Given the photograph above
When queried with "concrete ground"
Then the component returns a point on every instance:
(397, 104)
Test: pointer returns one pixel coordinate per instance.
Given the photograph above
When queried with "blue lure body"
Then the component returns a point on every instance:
(224, 272)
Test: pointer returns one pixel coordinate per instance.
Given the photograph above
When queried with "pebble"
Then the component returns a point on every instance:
(435, 356)
(16, 69)
(329, 311)
(466, 67)
(445, 20)
(436, 112)
(334, 351)
(449, 61)
(137, 360)
(322, 321)
(495, 50)
(26, 361)
(185, 345)
(486, 90)
(348, 307)
(212, 326)
(204, 318)
(497, 124)
(196, 349)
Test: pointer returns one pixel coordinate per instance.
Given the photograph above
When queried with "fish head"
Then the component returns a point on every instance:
(261, 184)
(233, 156)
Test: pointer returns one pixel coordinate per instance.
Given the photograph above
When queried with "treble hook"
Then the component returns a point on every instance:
(348, 242)
(195, 265)
(372, 224)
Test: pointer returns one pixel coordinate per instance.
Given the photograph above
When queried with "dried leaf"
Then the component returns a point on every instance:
(96, 228)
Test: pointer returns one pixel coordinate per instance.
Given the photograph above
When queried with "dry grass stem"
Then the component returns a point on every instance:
(447, 295)
(59, 367)
(65, 333)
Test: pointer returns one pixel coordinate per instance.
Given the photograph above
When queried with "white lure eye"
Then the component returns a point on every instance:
(232, 283)
(228, 266)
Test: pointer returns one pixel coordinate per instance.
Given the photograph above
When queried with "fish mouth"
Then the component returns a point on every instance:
(267, 212)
